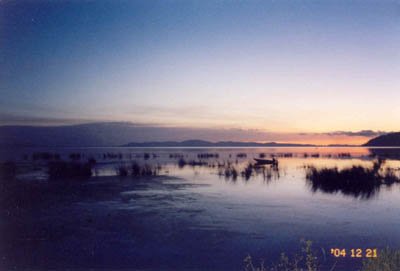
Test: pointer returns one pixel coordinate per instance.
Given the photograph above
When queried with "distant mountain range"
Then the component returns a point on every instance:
(108, 134)
(203, 143)
(388, 140)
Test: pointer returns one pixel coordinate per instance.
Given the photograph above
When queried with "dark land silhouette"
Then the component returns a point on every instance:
(107, 134)
(388, 140)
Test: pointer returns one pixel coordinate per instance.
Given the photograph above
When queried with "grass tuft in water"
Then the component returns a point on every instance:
(8, 170)
(137, 170)
(64, 170)
(247, 172)
(358, 181)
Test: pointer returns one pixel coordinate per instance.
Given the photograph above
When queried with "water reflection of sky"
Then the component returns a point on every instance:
(269, 217)
(259, 216)
(287, 206)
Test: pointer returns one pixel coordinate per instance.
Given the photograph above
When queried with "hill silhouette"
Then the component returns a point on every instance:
(108, 134)
(388, 140)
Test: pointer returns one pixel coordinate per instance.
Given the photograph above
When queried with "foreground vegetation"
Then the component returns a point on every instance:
(308, 260)
(388, 260)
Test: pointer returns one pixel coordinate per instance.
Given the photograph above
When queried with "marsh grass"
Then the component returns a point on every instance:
(207, 155)
(75, 156)
(176, 155)
(193, 163)
(387, 260)
(357, 181)
(122, 171)
(46, 156)
(230, 172)
(247, 172)
(64, 170)
(112, 156)
(286, 155)
(182, 162)
(137, 170)
(306, 260)
(8, 170)
(344, 155)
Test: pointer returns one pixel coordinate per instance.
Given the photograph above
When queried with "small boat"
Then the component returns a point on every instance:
(266, 161)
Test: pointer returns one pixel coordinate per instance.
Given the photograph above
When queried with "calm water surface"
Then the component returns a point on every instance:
(192, 217)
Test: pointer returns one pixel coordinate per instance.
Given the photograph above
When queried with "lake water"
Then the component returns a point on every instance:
(193, 217)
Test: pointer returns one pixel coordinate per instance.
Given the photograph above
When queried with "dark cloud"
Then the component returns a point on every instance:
(365, 133)
(139, 132)
(15, 119)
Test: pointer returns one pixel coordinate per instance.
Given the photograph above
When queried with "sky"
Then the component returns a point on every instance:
(310, 68)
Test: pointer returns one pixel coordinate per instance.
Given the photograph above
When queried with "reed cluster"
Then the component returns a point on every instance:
(356, 180)
(193, 163)
(70, 169)
(137, 170)
(8, 170)
(207, 155)
(44, 156)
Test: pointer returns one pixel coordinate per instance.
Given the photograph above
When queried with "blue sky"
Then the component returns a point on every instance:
(281, 66)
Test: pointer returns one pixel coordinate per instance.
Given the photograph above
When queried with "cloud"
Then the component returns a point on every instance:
(144, 131)
(16, 119)
(364, 133)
